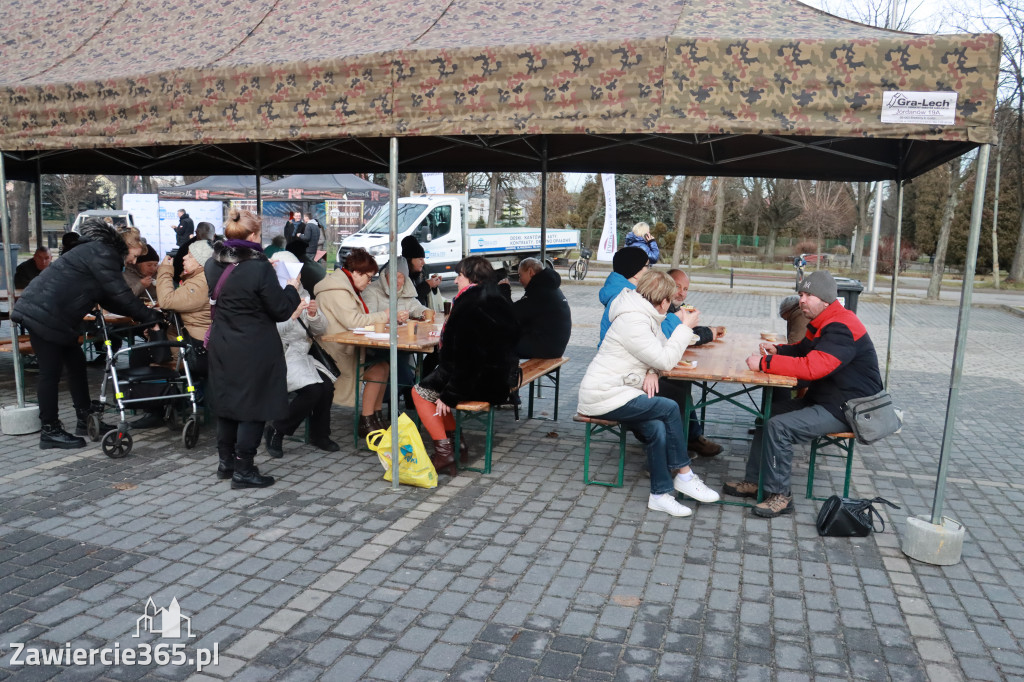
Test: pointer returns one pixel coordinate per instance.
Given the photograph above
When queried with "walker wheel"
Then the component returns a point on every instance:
(117, 443)
(190, 434)
(92, 427)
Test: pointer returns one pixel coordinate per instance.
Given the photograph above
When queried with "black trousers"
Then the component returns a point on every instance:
(242, 438)
(52, 359)
(313, 401)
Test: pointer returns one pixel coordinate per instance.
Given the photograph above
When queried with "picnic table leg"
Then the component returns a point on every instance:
(558, 382)
(529, 410)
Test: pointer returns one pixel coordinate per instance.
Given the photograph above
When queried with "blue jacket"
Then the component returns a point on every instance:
(612, 287)
(650, 247)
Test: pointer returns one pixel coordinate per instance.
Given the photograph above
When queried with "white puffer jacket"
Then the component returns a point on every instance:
(634, 343)
(302, 368)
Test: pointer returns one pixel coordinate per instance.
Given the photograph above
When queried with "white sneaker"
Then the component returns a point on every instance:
(694, 488)
(667, 503)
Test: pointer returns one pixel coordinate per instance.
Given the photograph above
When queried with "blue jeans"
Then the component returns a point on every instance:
(659, 423)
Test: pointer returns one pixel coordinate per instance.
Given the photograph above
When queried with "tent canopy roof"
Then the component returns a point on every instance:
(731, 87)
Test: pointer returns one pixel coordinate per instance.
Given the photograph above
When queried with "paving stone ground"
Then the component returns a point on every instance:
(527, 574)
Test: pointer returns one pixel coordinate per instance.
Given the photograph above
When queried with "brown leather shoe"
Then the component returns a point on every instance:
(740, 489)
(774, 505)
(704, 447)
(444, 456)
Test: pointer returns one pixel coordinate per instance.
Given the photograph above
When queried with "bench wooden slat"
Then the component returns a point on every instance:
(473, 406)
(24, 345)
(584, 419)
(844, 434)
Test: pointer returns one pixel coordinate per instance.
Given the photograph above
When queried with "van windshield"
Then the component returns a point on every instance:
(408, 214)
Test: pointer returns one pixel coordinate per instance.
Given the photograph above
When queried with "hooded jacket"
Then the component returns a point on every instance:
(246, 360)
(544, 317)
(836, 356)
(649, 247)
(343, 309)
(613, 285)
(191, 299)
(633, 345)
(55, 302)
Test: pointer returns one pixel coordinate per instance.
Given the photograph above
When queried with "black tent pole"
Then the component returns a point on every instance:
(544, 201)
(39, 204)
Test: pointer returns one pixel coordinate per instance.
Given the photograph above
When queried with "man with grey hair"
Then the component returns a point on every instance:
(545, 321)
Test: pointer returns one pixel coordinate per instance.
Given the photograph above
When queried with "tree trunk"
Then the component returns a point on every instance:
(20, 202)
(769, 251)
(952, 195)
(684, 208)
(716, 233)
(492, 208)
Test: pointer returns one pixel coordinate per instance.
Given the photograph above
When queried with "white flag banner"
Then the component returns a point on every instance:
(434, 182)
(609, 238)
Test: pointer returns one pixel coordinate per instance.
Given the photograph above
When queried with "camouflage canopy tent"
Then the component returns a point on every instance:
(723, 87)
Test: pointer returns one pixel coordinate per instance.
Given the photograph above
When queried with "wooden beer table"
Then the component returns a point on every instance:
(725, 362)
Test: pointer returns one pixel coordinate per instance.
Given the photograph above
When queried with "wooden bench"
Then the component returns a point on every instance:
(844, 441)
(533, 370)
(24, 345)
(597, 426)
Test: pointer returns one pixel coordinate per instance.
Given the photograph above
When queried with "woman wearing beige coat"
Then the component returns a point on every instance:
(191, 299)
(339, 298)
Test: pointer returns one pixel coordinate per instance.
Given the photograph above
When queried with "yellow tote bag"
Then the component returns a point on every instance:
(414, 466)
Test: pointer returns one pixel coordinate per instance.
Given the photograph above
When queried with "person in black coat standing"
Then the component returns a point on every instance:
(545, 321)
(52, 308)
(310, 233)
(247, 368)
(476, 356)
(183, 232)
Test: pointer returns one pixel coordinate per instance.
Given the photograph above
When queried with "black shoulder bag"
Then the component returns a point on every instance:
(841, 517)
(319, 354)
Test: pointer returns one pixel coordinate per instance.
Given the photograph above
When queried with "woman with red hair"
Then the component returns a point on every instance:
(339, 298)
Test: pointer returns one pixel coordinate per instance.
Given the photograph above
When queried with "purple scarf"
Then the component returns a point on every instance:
(235, 243)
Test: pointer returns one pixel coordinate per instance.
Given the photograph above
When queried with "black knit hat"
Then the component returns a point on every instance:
(148, 256)
(412, 249)
(629, 261)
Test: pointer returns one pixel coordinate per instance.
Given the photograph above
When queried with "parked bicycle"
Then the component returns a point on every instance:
(578, 270)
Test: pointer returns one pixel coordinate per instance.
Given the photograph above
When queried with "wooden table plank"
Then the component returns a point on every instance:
(411, 337)
(726, 360)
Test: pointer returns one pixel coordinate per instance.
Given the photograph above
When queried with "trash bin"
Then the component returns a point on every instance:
(848, 290)
(14, 264)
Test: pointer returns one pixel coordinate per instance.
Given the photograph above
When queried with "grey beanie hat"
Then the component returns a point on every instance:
(788, 304)
(821, 284)
(201, 251)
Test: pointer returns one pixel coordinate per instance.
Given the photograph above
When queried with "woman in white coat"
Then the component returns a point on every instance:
(312, 383)
(622, 381)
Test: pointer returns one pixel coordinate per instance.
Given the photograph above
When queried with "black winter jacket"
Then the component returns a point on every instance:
(477, 353)
(55, 302)
(246, 359)
(183, 232)
(545, 321)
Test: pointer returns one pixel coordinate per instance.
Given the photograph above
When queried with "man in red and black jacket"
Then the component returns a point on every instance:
(836, 361)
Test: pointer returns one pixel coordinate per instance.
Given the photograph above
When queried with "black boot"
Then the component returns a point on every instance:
(53, 435)
(463, 446)
(226, 466)
(382, 423)
(275, 442)
(82, 425)
(367, 423)
(247, 475)
(444, 456)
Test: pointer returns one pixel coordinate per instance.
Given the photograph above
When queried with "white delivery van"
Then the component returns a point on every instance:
(438, 221)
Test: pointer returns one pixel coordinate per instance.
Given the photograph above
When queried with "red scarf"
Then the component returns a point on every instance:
(349, 275)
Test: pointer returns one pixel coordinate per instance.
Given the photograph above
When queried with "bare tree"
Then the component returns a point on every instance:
(69, 192)
(827, 209)
(19, 200)
(716, 232)
(780, 208)
(956, 181)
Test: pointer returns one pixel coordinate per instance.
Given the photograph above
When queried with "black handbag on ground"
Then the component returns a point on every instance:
(841, 517)
(874, 417)
(319, 354)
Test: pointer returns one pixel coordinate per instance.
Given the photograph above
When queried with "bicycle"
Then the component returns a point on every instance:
(578, 270)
